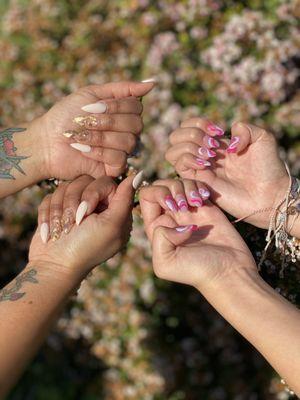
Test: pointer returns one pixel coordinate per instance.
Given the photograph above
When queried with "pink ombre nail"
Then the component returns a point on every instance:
(204, 193)
(232, 148)
(213, 143)
(186, 228)
(171, 203)
(204, 163)
(196, 199)
(182, 203)
(215, 129)
(203, 151)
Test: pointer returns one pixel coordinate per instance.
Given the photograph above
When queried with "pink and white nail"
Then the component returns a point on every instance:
(212, 143)
(186, 228)
(202, 162)
(203, 151)
(171, 203)
(195, 199)
(182, 203)
(204, 193)
(232, 148)
(217, 130)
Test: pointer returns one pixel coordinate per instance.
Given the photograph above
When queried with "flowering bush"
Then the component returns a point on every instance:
(128, 335)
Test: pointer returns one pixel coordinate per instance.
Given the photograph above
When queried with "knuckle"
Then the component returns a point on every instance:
(131, 143)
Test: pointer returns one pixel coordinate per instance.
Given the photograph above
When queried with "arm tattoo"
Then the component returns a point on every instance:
(8, 156)
(12, 292)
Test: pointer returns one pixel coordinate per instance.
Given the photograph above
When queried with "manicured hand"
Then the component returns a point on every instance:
(193, 244)
(244, 174)
(91, 131)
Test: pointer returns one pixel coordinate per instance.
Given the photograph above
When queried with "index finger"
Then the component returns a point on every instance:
(207, 126)
(118, 90)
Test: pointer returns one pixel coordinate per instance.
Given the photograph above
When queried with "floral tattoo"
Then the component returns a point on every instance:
(8, 156)
(12, 292)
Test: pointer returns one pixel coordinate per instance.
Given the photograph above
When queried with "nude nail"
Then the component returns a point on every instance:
(232, 148)
(81, 211)
(84, 148)
(97, 108)
(44, 232)
(171, 204)
(186, 228)
(150, 80)
(204, 163)
(138, 180)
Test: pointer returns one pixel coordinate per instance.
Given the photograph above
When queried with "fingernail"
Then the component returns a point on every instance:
(203, 151)
(215, 129)
(89, 121)
(150, 80)
(202, 162)
(171, 204)
(186, 228)
(97, 108)
(44, 232)
(56, 230)
(84, 148)
(67, 220)
(204, 193)
(182, 203)
(196, 199)
(213, 143)
(81, 211)
(232, 148)
(138, 180)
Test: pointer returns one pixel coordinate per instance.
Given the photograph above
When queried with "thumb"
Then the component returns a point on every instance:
(244, 134)
(122, 202)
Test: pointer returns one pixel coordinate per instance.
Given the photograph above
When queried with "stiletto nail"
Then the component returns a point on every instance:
(81, 211)
(67, 220)
(203, 151)
(171, 204)
(182, 203)
(215, 129)
(232, 148)
(150, 80)
(138, 180)
(79, 136)
(97, 108)
(89, 122)
(44, 232)
(204, 193)
(196, 199)
(186, 228)
(213, 143)
(56, 229)
(84, 148)
(202, 162)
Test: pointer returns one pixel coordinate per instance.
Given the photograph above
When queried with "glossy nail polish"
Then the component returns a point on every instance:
(204, 193)
(171, 204)
(232, 148)
(182, 203)
(81, 211)
(213, 143)
(138, 180)
(150, 80)
(96, 108)
(84, 148)
(203, 151)
(204, 163)
(67, 220)
(56, 229)
(186, 228)
(196, 199)
(217, 130)
(44, 232)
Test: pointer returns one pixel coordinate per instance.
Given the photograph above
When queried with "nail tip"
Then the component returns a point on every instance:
(138, 179)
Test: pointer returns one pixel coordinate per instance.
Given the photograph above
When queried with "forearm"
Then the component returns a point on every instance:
(21, 159)
(264, 318)
(28, 307)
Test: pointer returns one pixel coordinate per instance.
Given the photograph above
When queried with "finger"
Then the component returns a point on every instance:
(203, 190)
(177, 192)
(120, 89)
(181, 135)
(242, 135)
(110, 122)
(207, 126)
(124, 141)
(193, 196)
(56, 211)
(160, 195)
(200, 153)
(121, 204)
(44, 218)
(111, 157)
(129, 105)
(188, 161)
(72, 199)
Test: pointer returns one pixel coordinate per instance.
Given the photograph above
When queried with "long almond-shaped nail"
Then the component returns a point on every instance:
(81, 211)
(186, 228)
(213, 143)
(217, 130)
(67, 220)
(150, 80)
(204, 193)
(232, 148)
(195, 199)
(138, 180)
(44, 232)
(182, 203)
(84, 148)
(171, 204)
(55, 228)
(96, 108)
(204, 163)
(203, 151)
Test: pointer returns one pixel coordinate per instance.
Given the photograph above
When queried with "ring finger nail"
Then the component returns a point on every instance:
(79, 136)
(195, 199)
(44, 232)
(182, 203)
(96, 108)
(56, 229)
(202, 162)
(204, 193)
(81, 211)
(203, 151)
(215, 129)
(171, 203)
(67, 220)
(213, 143)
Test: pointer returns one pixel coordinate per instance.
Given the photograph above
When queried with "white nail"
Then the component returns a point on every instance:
(97, 108)
(44, 232)
(84, 148)
(81, 210)
(150, 80)
(138, 179)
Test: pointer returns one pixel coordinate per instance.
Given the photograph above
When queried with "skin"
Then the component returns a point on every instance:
(48, 152)
(30, 304)
(225, 273)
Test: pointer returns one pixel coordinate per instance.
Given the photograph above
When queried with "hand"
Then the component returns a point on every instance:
(198, 246)
(246, 174)
(99, 143)
(105, 229)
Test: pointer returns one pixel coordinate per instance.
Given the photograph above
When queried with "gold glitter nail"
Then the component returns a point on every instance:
(88, 122)
(69, 134)
(67, 220)
(56, 231)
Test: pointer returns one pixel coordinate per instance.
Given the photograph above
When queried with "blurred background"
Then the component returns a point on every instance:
(129, 335)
